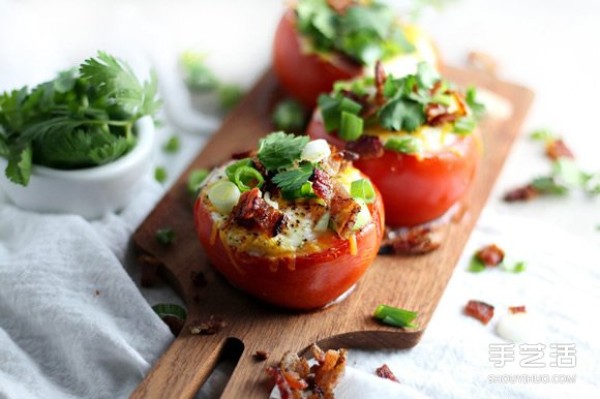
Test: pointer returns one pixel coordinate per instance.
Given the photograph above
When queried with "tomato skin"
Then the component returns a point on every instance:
(415, 191)
(305, 76)
(312, 281)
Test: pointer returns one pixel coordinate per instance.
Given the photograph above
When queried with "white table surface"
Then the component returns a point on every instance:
(549, 46)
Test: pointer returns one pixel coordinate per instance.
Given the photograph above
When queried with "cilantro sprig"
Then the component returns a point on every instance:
(364, 31)
(82, 118)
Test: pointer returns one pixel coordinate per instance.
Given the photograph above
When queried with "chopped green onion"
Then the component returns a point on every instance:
(464, 125)
(244, 175)
(195, 179)
(549, 185)
(518, 267)
(351, 126)
(349, 105)
(363, 190)
(476, 265)
(172, 145)
(315, 151)
(330, 113)
(405, 145)
(229, 95)
(395, 316)
(471, 99)
(224, 195)
(170, 309)
(165, 236)
(289, 115)
(160, 174)
(543, 135)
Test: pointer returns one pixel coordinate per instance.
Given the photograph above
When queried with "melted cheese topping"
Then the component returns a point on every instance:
(296, 237)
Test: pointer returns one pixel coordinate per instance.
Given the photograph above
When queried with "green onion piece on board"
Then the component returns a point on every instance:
(396, 317)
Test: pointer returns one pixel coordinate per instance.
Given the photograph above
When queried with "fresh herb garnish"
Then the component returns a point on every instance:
(293, 179)
(172, 145)
(160, 174)
(396, 317)
(82, 118)
(195, 179)
(229, 95)
(364, 31)
(165, 236)
(280, 150)
(290, 115)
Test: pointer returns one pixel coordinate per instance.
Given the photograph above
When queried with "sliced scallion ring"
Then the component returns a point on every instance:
(224, 195)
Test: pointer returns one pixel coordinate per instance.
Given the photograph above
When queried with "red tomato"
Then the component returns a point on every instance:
(309, 281)
(305, 76)
(415, 190)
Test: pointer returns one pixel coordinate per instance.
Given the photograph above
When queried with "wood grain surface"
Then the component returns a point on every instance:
(415, 283)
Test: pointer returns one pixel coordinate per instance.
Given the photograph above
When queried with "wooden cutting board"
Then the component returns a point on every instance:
(415, 283)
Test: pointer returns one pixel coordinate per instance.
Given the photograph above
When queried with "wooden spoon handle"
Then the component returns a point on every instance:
(183, 368)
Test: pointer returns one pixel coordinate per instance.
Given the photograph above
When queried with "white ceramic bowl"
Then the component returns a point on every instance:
(89, 192)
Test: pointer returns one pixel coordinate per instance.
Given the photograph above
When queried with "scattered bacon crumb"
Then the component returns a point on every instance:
(416, 240)
(480, 311)
(490, 255)
(295, 379)
(198, 279)
(322, 185)
(557, 148)
(253, 211)
(174, 323)
(384, 372)
(366, 147)
(517, 309)
(261, 356)
(525, 193)
(149, 268)
(208, 327)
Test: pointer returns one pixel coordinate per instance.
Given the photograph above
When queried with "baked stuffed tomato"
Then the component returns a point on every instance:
(319, 42)
(294, 223)
(416, 137)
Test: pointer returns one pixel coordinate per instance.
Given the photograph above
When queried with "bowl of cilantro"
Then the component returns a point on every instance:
(80, 143)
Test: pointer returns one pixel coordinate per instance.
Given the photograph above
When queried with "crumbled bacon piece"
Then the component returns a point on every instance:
(253, 211)
(380, 79)
(210, 326)
(337, 161)
(517, 309)
(434, 110)
(557, 148)
(384, 372)
(260, 356)
(525, 193)
(295, 379)
(416, 240)
(344, 211)
(322, 185)
(490, 255)
(445, 117)
(480, 310)
(366, 147)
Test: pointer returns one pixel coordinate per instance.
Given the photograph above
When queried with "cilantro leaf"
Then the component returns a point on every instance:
(280, 150)
(293, 179)
(401, 114)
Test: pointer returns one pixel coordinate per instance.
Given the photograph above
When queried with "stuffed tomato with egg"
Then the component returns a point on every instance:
(318, 42)
(294, 223)
(416, 137)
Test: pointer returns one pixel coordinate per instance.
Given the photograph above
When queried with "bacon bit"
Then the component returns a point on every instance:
(517, 309)
(208, 327)
(344, 211)
(483, 62)
(380, 78)
(322, 185)
(434, 110)
(295, 379)
(480, 311)
(490, 255)
(366, 147)
(556, 149)
(416, 240)
(525, 193)
(198, 279)
(260, 356)
(337, 161)
(443, 118)
(385, 372)
(149, 267)
(253, 211)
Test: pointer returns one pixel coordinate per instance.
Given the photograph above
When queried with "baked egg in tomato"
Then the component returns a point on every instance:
(293, 223)
(318, 42)
(416, 137)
